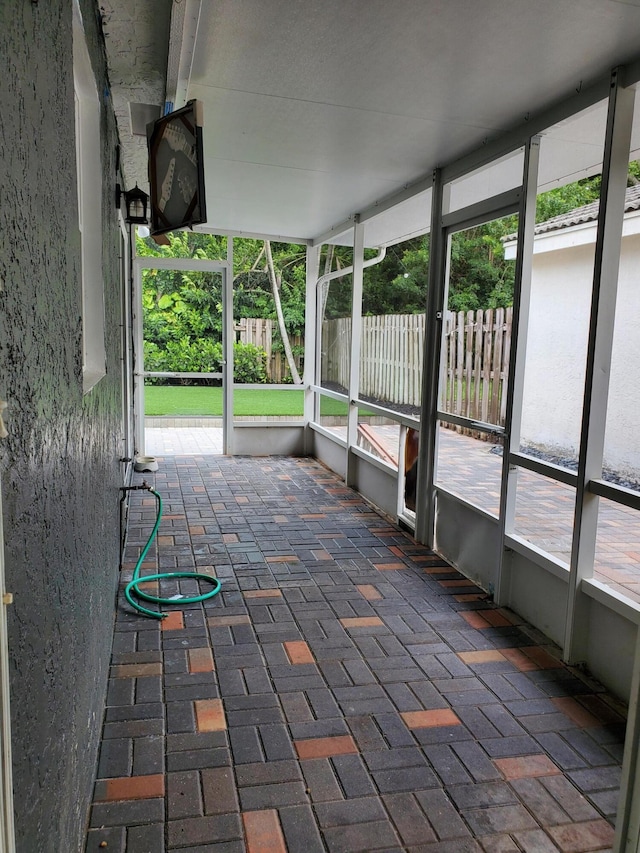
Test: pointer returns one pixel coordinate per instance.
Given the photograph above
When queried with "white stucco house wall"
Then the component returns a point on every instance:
(562, 278)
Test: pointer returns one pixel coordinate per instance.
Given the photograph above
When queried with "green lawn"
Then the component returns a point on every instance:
(188, 400)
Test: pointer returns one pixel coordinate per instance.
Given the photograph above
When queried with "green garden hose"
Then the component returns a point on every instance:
(132, 588)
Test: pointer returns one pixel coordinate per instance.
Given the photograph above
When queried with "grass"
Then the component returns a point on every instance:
(192, 400)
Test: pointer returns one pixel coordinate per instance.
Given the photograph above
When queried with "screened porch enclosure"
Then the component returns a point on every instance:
(541, 523)
(429, 411)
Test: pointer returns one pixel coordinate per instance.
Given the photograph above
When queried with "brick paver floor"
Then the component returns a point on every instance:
(346, 691)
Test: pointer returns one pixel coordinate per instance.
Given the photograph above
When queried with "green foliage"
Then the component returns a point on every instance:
(398, 285)
(199, 356)
(249, 363)
(563, 199)
(480, 277)
(182, 310)
(185, 244)
(204, 356)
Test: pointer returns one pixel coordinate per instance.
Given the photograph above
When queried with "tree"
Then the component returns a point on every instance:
(183, 310)
(270, 283)
(479, 276)
(398, 285)
(561, 200)
(276, 284)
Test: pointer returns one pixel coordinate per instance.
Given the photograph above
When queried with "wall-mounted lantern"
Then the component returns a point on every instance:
(136, 202)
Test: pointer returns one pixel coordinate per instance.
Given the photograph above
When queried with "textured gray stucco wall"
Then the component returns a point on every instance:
(59, 467)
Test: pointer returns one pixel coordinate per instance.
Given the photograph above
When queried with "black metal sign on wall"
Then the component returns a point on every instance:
(176, 170)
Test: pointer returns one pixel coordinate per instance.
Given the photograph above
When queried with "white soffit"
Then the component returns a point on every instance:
(316, 111)
(136, 40)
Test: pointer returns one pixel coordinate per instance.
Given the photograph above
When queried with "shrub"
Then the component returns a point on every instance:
(204, 356)
(249, 363)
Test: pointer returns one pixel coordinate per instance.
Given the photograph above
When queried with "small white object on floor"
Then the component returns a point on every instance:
(145, 463)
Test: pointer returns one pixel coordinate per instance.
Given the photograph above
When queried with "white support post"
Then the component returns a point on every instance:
(627, 837)
(425, 494)
(319, 343)
(228, 338)
(600, 341)
(128, 428)
(356, 337)
(312, 330)
(517, 358)
(138, 352)
(402, 440)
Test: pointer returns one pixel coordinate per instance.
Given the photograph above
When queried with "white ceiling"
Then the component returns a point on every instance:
(316, 110)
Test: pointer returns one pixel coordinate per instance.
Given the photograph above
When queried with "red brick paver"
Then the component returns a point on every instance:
(429, 719)
(526, 766)
(325, 747)
(133, 788)
(579, 837)
(200, 660)
(173, 621)
(264, 833)
(361, 622)
(210, 715)
(298, 652)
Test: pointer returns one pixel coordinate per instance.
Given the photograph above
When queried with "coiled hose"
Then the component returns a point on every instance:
(132, 588)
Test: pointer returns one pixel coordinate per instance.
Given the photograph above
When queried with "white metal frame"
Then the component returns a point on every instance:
(627, 837)
(187, 265)
(314, 391)
(515, 379)
(311, 339)
(128, 425)
(356, 342)
(89, 176)
(600, 342)
(443, 228)
(427, 450)
(522, 198)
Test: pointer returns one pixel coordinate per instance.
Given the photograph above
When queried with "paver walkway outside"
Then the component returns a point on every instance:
(347, 691)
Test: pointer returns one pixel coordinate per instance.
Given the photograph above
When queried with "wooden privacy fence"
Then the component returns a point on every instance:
(391, 358)
(477, 364)
(336, 351)
(475, 360)
(261, 334)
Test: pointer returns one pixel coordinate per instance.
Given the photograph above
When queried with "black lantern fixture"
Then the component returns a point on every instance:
(136, 201)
